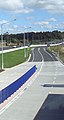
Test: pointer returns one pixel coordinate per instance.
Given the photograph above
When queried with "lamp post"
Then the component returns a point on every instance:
(25, 42)
(2, 47)
(24, 46)
(2, 66)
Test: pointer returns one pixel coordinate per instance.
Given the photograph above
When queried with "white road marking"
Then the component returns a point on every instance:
(48, 54)
(40, 54)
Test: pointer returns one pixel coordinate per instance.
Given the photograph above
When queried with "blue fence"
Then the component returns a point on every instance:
(9, 90)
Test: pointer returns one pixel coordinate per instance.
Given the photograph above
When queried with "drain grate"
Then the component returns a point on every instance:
(53, 85)
(52, 109)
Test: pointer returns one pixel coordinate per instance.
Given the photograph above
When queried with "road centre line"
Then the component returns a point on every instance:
(41, 54)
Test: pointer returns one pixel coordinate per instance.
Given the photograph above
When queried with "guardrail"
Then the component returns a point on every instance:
(9, 90)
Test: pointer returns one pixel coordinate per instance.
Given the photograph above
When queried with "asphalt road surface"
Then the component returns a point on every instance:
(39, 54)
(52, 109)
(43, 98)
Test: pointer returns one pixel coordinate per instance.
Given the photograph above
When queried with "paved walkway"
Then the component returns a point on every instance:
(12, 74)
(29, 100)
(26, 105)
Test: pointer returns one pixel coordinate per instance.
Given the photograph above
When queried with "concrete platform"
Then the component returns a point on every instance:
(12, 74)
(26, 105)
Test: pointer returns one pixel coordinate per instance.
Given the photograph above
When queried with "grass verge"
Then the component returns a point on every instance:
(58, 50)
(14, 58)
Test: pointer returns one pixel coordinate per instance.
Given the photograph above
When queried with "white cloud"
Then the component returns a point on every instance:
(41, 23)
(11, 4)
(56, 6)
(30, 18)
(44, 24)
(23, 6)
(52, 20)
(23, 10)
(47, 24)
(3, 21)
(16, 6)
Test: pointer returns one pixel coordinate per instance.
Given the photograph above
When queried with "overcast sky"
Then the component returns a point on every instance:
(40, 15)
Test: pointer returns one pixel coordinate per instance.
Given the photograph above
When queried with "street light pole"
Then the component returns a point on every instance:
(2, 47)
(25, 42)
(2, 66)
(24, 46)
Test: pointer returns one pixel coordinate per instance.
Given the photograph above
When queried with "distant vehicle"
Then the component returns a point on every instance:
(48, 44)
(14, 46)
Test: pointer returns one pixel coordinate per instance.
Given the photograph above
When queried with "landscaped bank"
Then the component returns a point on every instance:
(14, 58)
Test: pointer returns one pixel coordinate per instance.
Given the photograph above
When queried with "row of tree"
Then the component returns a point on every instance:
(32, 37)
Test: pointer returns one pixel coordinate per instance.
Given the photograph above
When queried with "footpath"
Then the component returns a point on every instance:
(12, 74)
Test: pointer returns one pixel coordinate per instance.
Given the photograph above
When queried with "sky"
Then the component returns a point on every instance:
(31, 15)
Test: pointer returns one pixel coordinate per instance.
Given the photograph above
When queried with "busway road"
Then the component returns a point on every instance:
(49, 79)
(39, 54)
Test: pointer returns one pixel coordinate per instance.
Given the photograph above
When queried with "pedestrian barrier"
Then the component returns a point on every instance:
(9, 90)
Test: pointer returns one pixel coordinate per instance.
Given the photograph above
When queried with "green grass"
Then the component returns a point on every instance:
(14, 58)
